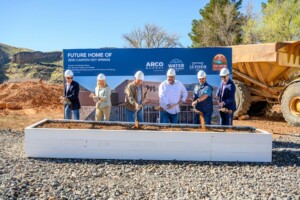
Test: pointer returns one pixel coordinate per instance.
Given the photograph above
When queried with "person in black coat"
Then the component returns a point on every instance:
(225, 94)
(70, 98)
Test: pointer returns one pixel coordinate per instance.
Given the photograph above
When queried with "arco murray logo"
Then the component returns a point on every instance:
(176, 64)
(219, 62)
(155, 66)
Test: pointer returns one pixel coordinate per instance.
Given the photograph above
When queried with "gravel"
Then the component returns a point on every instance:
(24, 178)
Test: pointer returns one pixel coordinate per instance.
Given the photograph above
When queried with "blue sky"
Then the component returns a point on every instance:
(49, 25)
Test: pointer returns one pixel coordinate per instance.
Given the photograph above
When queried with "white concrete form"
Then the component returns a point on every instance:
(244, 145)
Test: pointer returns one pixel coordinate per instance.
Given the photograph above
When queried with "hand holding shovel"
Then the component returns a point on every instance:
(65, 100)
(94, 97)
(225, 110)
(173, 105)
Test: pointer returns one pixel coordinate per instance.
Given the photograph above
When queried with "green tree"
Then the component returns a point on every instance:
(151, 36)
(220, 24)
(251, 34)
(281, 21)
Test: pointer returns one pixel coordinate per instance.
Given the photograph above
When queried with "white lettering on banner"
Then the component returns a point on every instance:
(154, 64)
(95, 55)
(108, 55)
(90, 55)
(197, 66)
(76, 55)
(176, 64)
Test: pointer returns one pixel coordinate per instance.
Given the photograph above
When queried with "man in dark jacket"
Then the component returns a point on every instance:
(203, 100)
(71, 100)
(225, 94)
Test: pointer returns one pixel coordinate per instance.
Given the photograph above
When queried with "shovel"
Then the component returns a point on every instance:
(225, 110)
(201, 117)
(136, 124)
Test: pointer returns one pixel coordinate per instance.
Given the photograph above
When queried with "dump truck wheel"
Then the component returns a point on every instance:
(273, 111)
(290, 104)
(242, 99)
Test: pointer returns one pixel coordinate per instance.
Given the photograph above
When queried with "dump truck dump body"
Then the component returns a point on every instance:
(266, 71)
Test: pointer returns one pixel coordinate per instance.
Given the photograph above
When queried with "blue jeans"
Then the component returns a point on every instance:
(130, 115)
(207, 118)
(68, 112)
(226, 118)
(166, 117)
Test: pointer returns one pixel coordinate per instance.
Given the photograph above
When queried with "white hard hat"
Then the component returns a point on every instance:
(224, 72)
(139, 75)
(201, 74)
(101, 77)
(68, 73)
(171, 72)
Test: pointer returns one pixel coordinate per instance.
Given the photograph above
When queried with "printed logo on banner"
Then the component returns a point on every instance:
(155, 66)
(176, 64)
(219, 62)
(197, 66)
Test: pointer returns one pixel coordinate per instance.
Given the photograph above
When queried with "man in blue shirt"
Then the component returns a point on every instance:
(203, 100)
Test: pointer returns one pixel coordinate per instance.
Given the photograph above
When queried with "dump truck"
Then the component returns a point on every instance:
(268, 74)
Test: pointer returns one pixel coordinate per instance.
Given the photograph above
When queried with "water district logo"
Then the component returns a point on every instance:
(219, 62)
(176, 64)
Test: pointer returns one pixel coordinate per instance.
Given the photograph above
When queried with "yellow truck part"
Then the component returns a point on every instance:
(270, 73)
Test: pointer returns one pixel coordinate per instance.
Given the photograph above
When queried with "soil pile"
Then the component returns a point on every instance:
(30, 94)
(117, 126)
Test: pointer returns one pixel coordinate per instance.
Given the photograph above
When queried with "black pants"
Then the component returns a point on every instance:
(226, 118)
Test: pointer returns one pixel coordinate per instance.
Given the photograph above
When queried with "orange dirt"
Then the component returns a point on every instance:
(31, 94)
(25, 103)
(88, 125)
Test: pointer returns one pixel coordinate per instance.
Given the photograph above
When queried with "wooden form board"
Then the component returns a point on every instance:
(148, 145)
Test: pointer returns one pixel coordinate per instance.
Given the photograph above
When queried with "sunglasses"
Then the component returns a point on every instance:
(223, 76)
(69, 78)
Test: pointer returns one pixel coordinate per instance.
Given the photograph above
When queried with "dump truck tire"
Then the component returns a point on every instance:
(290, 104)
(273, 111)
(242, 99)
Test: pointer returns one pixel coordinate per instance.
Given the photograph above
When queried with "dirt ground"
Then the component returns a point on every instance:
(40, 101)
(88, 125)
(20, 119)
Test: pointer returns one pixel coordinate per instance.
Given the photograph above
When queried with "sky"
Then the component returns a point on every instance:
(54, 25)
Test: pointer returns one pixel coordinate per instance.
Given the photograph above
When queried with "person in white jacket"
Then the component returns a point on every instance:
(102, 99)
(171, 94)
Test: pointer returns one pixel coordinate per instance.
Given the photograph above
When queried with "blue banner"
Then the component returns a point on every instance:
(120, 65)
(125, 62)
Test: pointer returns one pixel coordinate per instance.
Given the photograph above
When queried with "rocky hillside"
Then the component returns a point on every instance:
(19, 64)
